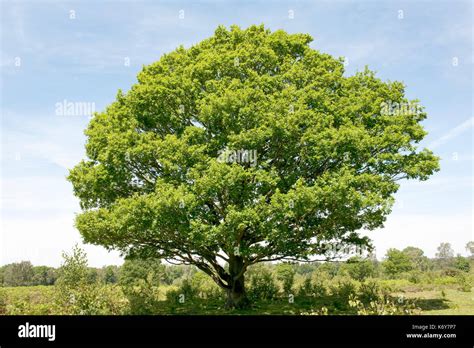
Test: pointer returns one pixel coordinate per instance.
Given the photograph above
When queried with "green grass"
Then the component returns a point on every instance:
(455, 302)
(445, 300)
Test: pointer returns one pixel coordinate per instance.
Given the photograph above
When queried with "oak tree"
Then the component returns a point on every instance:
(247, 147)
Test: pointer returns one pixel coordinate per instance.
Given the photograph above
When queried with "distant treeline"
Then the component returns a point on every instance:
(410, 261)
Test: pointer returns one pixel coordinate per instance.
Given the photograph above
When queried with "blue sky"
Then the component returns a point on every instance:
(48, 57)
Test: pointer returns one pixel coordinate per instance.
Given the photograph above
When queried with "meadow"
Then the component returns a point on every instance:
(354, 287)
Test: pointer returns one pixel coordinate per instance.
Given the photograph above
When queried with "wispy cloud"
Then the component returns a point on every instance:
(452, 133)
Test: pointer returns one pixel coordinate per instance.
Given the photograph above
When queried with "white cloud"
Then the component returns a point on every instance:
(452, 133)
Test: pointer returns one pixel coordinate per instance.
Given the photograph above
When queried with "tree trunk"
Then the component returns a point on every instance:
(236, 297)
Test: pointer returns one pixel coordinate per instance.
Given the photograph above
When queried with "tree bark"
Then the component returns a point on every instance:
(236, 296)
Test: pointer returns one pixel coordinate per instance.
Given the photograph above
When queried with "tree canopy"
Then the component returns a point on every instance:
(168, 171)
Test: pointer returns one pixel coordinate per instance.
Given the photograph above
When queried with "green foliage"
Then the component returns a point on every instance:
(374, 299)
(206, 288)
(3, 301)
(329, 268)
(417, 258)
(310, 288)
(326, 165)
(150, 270)
(187, 291)
(175, 272)
(358, 268)
(286, 274)
(262, 284)
(304, 268)
(462, 263)
(415, 276)
(320, 311)
(140, 280)
(317, 294)
(78, 293)
(44, 275)
(306, 289)
(18, 274)
(396, 262)
(465, 283)
(74, 271)
(341, 291)
(383, 305)
(110, 274)
(369, 291)
(143, 298)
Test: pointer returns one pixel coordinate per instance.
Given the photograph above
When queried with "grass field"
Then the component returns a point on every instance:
(444, 300)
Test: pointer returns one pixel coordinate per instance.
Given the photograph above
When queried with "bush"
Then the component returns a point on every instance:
(396, 262)
(3, 302)
(76, 294)
(319, 288)
(341, 292)
(306, 289)
(151, 270)
(369, 291)
(142, 297)
(110, 274)
(358, 269)
(462, 263)
(314, 285)
(140, 281)
(206, 287)
(451, 272)
(384, 305)
(464, 283)
(262, 284)
(374, 299)
(329, 268)
(286, 274)
(415, 276)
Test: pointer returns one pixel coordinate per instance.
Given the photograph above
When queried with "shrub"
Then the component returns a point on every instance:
(286, 274)
(369, 291)
(142, 297)
(396, 262)
(384, 305)
(451, 272)
(187, 290)
(462, 263)
(320, 311)
(140, 280)
(464, 283)
(110, 274)
(319, 288)
(358, 269)
(341, 292)
(415, 276)
(306, 289)
(262, 284)
(329, 268)
(77, 295)
(133, 270)
(206, 287)
(315, 285)
(3, 302)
